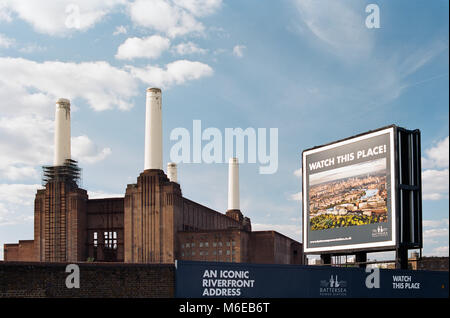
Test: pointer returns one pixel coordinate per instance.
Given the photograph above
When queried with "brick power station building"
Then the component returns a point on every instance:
(152, 223)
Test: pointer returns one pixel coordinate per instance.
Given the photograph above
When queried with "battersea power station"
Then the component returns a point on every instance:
(151, 223)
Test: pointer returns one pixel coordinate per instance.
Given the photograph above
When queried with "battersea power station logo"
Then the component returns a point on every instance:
(333, 287)
(380, 231)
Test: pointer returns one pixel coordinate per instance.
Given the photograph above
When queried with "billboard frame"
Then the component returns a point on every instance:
(406, 227)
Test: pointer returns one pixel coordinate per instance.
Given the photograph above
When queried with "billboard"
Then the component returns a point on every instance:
(241, 280)
(349, 194)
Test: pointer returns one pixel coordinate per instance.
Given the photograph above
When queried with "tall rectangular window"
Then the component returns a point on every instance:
(114, 240)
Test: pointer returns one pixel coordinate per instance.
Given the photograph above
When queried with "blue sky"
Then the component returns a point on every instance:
(312, 69)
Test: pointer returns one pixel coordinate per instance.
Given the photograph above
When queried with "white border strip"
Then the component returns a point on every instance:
(392, 242)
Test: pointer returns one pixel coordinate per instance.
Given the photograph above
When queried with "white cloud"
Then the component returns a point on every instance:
(149, 47)
(437, 156)
(25, 141)
(163, 16)
(5, 14)
(188, 48)
(6, 42)
(435, 233)
(435, 184)
(440, 251)
(100, 84)
(29, 91)
(434, 181)
(63, 17)
(296, 196)
(59, 17)
(120, 30)
(27, 86)
(19, 173)
(430, 242)
(238, 50)
(433, 196)
(340, 28)
(290, 230)
(435, 223)
(86, 151)
(16, 207)
(18, 194)
(177, 72)
(174, 18)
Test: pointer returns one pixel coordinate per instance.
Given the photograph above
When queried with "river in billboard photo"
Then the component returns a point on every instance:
(354, 195)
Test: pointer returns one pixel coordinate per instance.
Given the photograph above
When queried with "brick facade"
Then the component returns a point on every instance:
(153, 223)
(237, 245)
(96, 280)
(228, 245)
(433, 263)
(150, 217)
(270, 247)
(60, 223)
(22, 251)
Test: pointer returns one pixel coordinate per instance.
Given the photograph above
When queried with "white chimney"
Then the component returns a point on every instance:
(153, 130)
(62, 132)
(172, 172)
(233, 184)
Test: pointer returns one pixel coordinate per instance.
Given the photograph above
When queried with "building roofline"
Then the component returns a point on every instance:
(277, 233)
(102, 199)
(210, 210)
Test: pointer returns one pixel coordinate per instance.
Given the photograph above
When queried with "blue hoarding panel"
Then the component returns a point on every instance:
(212, 279)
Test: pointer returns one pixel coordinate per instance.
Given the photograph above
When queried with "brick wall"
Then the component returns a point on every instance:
(23, 251)
(433, 264)
(11, 252)
(262, 247)
(26, 279)
(270, 247)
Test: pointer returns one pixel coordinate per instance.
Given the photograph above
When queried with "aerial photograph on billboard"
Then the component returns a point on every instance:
(349, 196)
